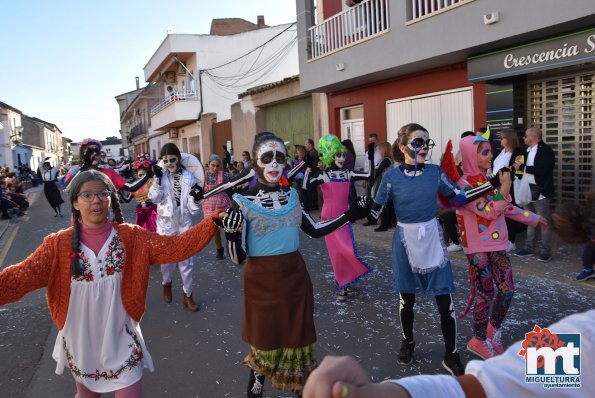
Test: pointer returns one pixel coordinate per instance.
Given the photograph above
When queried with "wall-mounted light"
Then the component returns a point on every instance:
(340, 66)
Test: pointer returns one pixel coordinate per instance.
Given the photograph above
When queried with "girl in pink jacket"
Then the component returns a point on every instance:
(484, 238)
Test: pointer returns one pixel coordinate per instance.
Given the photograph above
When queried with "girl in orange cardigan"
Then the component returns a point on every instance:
(99, 340)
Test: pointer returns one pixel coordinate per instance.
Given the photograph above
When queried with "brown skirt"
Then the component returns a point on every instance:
(278, 302)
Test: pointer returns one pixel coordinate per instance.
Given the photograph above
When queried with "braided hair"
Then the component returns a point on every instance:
(76, 268)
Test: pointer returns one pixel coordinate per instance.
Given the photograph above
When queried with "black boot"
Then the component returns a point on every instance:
(255, 385)
(219, 253)
(56, 210)
(60, 212)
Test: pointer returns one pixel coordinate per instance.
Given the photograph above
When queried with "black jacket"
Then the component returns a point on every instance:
(543, 169)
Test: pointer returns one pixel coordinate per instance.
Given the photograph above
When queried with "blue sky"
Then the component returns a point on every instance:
(64, 61)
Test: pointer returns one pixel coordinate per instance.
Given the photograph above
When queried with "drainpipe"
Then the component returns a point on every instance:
(200, 93)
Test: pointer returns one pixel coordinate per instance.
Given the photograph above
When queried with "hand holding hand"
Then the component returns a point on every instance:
(504, 176)
(157, 171)
(231, 221)
(344, 377)
(359, 209)
(197, 192)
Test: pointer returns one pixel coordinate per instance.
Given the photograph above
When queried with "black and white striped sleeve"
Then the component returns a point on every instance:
(318, 229)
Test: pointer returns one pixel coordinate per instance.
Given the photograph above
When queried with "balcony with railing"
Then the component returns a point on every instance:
(177, 109)
(137, 131)
(368, 20)
(422, 9)
(357, 24)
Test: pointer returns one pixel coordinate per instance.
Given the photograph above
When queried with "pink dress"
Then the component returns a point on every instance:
(219, 201)
(347, 265)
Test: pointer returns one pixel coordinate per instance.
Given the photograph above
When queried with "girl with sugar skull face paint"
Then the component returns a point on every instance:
(335, 183)
(420, 262)
(262, 225)
(172, 192)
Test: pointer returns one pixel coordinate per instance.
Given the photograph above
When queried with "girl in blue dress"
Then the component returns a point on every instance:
(419, 260)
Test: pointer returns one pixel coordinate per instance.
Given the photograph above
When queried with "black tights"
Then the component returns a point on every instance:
(447, 318)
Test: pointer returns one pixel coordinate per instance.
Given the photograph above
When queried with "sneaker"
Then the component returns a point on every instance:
(586, 274)
(511, 247)
(454, 248)
(524, 253)
(406, 353)
(452, 363)
(342, 294)
(495, 337)
(481, 348)
(544, 257)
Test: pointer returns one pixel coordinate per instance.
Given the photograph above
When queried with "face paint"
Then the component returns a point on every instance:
(339, 159)
(484, 156)
(96, 159)
(171, 163)
(418, 146)
(271, 158)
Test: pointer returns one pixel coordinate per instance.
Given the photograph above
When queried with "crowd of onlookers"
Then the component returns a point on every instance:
(12, 198)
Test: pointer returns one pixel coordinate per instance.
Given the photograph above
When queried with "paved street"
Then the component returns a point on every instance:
(199, 355)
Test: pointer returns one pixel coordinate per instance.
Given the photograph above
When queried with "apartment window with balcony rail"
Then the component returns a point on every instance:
(420, 9)
(353, 25)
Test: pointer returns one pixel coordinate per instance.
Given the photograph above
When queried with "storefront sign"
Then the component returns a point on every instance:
(567, 50)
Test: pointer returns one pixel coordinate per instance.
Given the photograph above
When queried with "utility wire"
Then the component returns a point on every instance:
(251, 51)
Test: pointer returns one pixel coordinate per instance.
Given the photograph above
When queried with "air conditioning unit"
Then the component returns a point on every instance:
(170, 77)
(181, 69)
(173, 133)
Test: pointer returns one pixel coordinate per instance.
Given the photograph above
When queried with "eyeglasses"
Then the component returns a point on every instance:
(420, 142)
(88, 196)
(267, 157)
(170, 160)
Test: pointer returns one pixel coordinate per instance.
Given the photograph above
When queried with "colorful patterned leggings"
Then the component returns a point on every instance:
(485, 270)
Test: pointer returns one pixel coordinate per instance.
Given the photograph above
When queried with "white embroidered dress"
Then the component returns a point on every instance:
(100, 343)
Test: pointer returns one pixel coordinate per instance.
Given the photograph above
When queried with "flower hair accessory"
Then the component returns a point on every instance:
(145, 164)
(93, 141)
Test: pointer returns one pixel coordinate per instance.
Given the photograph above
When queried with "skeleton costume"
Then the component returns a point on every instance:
(49, 177)
(335, 183)
(171, 193)
(263, 226)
